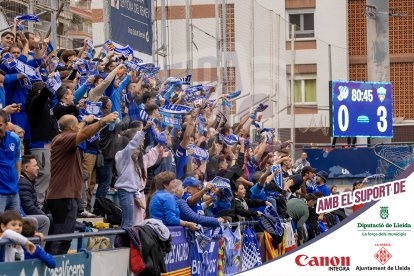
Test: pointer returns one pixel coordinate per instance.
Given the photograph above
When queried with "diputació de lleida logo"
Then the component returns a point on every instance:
(384, 212)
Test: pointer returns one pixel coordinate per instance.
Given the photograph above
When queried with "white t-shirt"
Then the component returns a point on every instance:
(13, 252)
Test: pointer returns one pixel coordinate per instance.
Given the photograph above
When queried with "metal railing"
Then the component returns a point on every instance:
(79, 236)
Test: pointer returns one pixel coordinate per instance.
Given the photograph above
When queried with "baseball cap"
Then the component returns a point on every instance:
(191, 181)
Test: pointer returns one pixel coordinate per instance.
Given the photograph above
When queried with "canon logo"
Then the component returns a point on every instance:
(303, 260)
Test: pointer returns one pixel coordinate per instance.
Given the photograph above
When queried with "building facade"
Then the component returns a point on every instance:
(401, 28)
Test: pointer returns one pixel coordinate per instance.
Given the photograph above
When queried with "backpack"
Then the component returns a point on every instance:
(113, 213)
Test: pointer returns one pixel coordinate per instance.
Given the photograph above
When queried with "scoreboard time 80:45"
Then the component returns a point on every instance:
(361, 109)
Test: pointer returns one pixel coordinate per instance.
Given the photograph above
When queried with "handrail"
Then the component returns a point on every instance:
(77, 235)
(339, 145)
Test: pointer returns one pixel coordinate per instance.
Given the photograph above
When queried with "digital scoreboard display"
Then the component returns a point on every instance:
(361, 109)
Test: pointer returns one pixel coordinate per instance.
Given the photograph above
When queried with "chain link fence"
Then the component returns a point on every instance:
(257, 55)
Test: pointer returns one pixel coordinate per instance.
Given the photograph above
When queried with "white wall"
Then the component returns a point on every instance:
(330, 28)
(265, 76)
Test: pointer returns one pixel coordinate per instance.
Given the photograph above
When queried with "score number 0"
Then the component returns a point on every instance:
(343, 118)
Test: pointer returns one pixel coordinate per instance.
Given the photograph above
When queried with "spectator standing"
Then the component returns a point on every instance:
(321, 179)
(66, 175)
(297, 208)
(297, 181)
(7, 39)
(108, 145)
(43, 128)
(131, 165)
(301, 162)
(10, 165)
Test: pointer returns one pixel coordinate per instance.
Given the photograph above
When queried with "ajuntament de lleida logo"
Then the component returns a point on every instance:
(384, 212)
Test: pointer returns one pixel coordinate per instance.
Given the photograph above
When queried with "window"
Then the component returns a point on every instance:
(305, 26)
(305, 91)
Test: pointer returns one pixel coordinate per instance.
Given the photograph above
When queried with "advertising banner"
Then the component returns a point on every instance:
(178, 260)
(376, 240)
(73, 264)
(131, 24)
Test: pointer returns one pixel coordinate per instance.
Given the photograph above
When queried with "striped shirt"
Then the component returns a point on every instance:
(136, 112)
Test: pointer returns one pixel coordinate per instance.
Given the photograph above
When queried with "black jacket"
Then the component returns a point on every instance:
(152, 248)
(109, 142)
(251, 203)
(43, 126)
(28, 199)
(234, 172)
(60, 109)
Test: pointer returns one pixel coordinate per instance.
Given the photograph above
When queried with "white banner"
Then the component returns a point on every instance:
(111, 262)
(378, 241)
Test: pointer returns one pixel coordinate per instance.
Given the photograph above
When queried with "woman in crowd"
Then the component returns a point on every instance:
(186, 213)
(163, 205)
(131, 166)
(242, 204)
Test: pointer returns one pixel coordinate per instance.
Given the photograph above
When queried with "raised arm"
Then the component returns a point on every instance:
(92, 129)
(96, 92)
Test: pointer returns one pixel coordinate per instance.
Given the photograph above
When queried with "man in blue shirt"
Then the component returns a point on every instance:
(194, 193)
(10, 165)
(321, 178)
(181, 157)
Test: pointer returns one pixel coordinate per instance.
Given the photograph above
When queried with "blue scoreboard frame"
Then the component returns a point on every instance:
(361, 109)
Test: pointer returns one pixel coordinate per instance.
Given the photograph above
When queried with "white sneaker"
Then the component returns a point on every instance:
(86, 214)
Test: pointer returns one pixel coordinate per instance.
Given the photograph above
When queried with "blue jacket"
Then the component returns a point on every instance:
(9, 155)
(41, 255)
(187, 214)
(79, 93)
(257, 192)
(164, 207)
(323, 189)
(2, 97)
(116, 96)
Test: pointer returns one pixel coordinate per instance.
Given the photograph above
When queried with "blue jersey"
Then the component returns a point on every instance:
(9, 155)
(323, 189)
(196, 207)
(181, 160)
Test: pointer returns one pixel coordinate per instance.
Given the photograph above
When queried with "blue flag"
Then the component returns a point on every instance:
(171, 119)
(186, 80)
(92, 108)
(221, 183)
(233, 95)
(204, 253)
(27, 17)
(231, 139)
(175, 109)
(125, 51)
(54, 83)
(250, 250)
(108, 46)
(279, 177)
(198, 153)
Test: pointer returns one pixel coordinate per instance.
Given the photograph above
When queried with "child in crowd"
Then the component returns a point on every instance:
(11, 224)
(39, 253)
(242, 204)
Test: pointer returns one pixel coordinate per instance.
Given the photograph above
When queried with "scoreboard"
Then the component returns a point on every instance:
(361, 109)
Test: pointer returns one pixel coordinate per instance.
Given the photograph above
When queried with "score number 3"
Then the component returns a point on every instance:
(382, 113)
(343, 118)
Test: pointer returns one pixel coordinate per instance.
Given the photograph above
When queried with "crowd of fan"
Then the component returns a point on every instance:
(52, 158)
